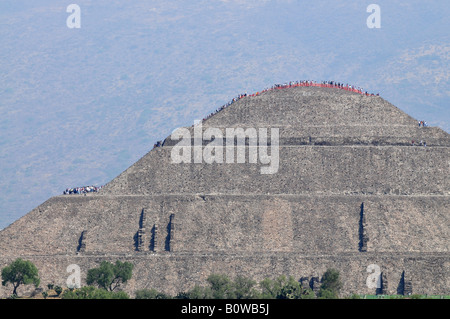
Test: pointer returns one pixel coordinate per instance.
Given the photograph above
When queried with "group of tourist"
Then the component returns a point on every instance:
(237, 98)
(422, 123)
(157, 144)
(82, 190)
(422, 143)
(327, 84)
(304, 83)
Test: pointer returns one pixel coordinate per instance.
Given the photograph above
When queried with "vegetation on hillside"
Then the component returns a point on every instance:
(20, 272)
(105, 281)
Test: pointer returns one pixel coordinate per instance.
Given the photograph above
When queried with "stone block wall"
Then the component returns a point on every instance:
(230, 224)
(302, 170)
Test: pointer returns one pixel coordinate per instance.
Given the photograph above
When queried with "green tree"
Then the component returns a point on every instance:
(284, 288)
(331, 285)
(89, 292)
(327, 294)
(109, 276)
(269, 289)
(197, 292)
(20, 272)
(308, 293)
(290, 289)
(58, 290)
(151, 294)
(221, 286)
(244, 288)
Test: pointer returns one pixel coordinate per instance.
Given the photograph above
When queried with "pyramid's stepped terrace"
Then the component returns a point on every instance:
(310, 106)
(350, 191)
(393, 135)
(302, 170)
(232, 224)
(315, 155)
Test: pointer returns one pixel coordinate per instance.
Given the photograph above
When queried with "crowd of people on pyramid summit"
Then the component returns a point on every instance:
(303, 83)
(82, 190)
(327, 84)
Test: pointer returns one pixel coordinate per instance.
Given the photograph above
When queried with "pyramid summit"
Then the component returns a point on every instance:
(358, 183)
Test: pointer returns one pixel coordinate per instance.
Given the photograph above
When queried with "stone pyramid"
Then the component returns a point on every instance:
(350, 191)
